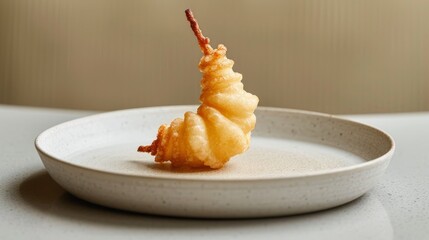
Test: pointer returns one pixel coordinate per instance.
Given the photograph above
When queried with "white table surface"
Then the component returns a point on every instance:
(33, 206)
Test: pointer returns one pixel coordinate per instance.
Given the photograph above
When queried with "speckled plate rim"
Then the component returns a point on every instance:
(319, 173)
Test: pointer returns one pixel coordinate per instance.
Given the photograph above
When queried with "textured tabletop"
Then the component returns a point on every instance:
(33, 206)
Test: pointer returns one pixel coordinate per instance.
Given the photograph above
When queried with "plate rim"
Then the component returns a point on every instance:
(319, 173)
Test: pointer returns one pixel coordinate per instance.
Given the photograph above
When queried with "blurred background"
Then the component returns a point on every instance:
(342, 56)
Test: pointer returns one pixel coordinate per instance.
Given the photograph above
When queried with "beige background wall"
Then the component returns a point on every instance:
(342, 56)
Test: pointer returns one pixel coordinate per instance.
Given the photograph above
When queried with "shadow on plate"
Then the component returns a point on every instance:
(167, 167)
(365, 214)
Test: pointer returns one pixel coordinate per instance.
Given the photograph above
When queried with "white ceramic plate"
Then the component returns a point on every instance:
(298, 162)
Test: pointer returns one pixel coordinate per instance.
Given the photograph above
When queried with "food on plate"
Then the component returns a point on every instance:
(221, 127)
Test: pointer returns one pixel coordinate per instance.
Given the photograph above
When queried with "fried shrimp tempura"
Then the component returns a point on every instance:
(221, 127)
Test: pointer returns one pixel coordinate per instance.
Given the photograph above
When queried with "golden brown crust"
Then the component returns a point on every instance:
(153, 148)
(221, 127)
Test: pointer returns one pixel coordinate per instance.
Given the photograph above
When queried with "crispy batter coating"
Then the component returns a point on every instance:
(222, 125)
